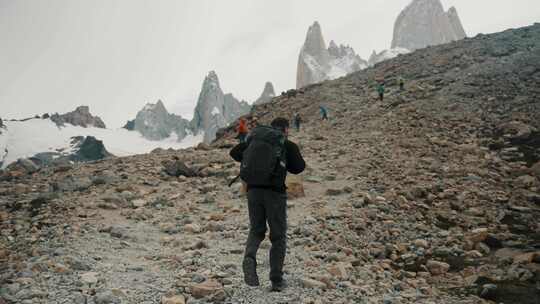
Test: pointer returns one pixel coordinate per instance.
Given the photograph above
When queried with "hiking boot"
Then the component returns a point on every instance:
(278, 286)
(249, 266)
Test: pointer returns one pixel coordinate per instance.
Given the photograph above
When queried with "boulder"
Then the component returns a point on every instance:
(295, 186)
(525, 181)
(89, 148)
(71, 183)
(177, 168)
(24, 166)
(516, 130)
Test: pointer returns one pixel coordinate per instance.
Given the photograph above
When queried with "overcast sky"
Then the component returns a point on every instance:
(117, 55)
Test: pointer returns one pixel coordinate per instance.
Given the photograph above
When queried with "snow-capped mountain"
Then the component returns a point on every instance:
(385, 55)
(215, 109)
(43, 138)
(154, 122)
(317, 63)
(423, 23)
(267, 94)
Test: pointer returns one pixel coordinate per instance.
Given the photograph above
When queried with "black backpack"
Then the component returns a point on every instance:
(264, 161)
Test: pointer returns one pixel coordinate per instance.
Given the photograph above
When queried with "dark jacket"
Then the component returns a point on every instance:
(295, 162)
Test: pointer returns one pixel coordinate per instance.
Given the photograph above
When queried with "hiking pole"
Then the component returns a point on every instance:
(234, 180)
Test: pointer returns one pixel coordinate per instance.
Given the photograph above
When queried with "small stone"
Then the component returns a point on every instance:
(175, 299)
(421, 243)
(437, 268)
(310, 283)
(168, 228)
(89, 278)
(61, 268)
(478, 235)
(483, 248)
(192, 228)
(118, 232)
(138, 203)
(339, 271)
(334, 192)
(106, 297)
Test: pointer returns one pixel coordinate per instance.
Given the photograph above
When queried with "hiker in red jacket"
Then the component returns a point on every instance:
(242, 130)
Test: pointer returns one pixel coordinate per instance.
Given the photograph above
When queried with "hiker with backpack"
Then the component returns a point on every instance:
(297, 121)
(265, 159)
(324, 112)
(242, 130)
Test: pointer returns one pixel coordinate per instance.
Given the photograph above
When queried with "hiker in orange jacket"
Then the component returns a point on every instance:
(242, 130)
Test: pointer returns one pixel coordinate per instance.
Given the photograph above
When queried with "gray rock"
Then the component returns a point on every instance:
(71, 183)
(106, 297)
(177, 168)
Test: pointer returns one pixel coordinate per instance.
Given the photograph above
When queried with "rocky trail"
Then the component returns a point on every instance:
(431, 196)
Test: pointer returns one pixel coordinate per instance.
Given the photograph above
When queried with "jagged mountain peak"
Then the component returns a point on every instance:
(267, 94)
(211, 80)
(154, 122)
(423, 23)
(215, 109)
(317, 63)
(155, 107)
(314, 43)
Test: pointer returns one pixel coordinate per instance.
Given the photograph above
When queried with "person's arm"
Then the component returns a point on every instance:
(238, 151)
(295, 161)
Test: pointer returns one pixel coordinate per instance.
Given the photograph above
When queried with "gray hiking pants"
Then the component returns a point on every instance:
(269, 206)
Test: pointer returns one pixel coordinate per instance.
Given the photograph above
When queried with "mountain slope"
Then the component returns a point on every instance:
(431, 196)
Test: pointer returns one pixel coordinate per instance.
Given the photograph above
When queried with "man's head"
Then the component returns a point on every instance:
(281, 123)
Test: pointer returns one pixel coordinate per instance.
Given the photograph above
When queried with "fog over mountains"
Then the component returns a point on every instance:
(61, 54)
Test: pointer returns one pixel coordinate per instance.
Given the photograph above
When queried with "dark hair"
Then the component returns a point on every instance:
(280, 123)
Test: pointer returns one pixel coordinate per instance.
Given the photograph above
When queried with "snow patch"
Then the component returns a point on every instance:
(26, 139)
(215, 111)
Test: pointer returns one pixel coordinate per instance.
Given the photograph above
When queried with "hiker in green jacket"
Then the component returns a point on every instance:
(380, 90)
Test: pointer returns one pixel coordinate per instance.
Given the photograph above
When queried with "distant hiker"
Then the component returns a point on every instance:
(380, 90)
(401, 84)
(242, 130)
(297, 121)
(324, 113)
(266, 157)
